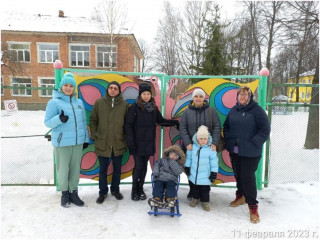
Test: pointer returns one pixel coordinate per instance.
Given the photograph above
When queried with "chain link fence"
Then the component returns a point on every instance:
(293, 149)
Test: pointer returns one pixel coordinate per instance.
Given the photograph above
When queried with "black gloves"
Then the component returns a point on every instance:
(155, 176)
(85, 145)
(213, 176)
(63, 117)
(187, 171)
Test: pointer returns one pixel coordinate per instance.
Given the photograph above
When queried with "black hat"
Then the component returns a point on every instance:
(144, 87)
(115, 83)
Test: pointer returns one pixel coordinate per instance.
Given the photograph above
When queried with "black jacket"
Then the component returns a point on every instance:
(248, 127)
(140, 129)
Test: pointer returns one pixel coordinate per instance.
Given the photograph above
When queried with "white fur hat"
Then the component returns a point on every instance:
(198, 91)
(203, 132)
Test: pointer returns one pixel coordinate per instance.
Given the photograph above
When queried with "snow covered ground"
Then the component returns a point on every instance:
(289, 207)
(286, 210)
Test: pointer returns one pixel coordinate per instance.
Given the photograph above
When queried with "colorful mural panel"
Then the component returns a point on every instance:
(220, 93)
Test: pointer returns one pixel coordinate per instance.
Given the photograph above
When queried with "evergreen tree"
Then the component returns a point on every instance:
(215, 53)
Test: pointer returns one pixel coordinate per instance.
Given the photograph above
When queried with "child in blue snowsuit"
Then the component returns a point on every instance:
(201, 167)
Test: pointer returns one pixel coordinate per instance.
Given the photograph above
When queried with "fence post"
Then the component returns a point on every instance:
(264, 73)
(57, 73)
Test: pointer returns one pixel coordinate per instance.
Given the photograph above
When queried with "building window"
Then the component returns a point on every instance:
(20, 52)
(79, 55)
(309, 81)
(1, 86)
(107, 56)
(302, 95)
(48, 52)
(21, 82)
(46, 83)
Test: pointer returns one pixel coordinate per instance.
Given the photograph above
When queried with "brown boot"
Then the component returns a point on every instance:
(206, 206)
(194, 202)
(254, 215)
(240, 200)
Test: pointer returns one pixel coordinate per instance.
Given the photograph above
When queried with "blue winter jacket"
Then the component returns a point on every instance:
(202, 161)
(75, 130)
(247, 127)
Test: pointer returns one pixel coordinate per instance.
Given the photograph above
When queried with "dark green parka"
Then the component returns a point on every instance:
(107, 126)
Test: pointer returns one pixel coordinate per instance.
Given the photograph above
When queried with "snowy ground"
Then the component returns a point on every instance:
(289, 207)
(286, 210)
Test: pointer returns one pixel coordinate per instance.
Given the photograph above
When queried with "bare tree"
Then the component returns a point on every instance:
(8, 59)
(192, 35)
(146, 61)
(111, 17)
(271, 12)
(165, 54)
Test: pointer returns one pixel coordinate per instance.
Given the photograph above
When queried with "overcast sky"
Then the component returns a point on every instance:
(143, 15)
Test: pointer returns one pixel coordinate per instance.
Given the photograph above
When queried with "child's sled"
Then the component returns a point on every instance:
(165, 208)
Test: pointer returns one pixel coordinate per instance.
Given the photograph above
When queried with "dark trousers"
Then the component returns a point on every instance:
(103, 182)
(244, 169)
(201, 192)
(140, 169)
(160, 186)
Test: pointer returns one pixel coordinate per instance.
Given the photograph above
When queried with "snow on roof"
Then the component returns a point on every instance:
(17, 21)
(308, 73)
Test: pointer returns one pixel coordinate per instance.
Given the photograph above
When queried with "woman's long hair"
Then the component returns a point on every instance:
(140, 102)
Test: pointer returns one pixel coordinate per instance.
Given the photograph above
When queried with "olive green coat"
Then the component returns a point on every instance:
(107, 126)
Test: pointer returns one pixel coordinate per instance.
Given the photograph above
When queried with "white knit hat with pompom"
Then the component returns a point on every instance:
(203, 132)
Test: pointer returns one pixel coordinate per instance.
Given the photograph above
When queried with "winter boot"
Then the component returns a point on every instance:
(194, 202)
(170, 202)
(206, 206)
(117, 195)
(240, 200)
(155, 202)
(74, 198)
(65, 201)
(101, 198)
(254, 215)
(135, 193)
(142, 195)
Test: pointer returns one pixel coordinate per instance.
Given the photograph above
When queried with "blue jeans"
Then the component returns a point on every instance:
(160, 186)
(103, 182)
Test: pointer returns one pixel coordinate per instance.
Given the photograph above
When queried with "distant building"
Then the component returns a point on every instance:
(304, 92)
(31, 43)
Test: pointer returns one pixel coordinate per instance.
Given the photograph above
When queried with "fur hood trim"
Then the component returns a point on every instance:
(178, 150)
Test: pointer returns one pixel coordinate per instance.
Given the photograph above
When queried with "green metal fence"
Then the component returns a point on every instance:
(27, 157)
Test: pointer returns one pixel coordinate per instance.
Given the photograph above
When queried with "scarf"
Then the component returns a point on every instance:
(148, 106)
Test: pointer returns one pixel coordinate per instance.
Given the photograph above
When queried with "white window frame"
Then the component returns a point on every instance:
(48, 52)
(21, 85)
(20, 50)
(77, 55)
(107, 54)
(40, 84)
